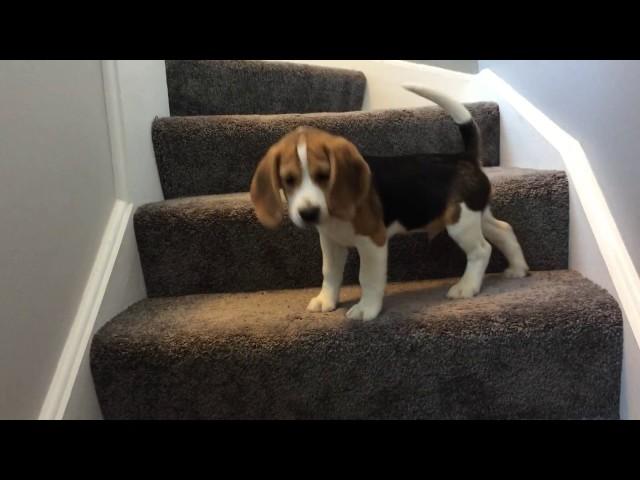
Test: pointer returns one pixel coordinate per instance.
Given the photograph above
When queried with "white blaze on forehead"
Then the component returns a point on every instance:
(302, 151)
(308, 194)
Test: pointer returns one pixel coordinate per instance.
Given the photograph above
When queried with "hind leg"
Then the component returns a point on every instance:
(467, 233)
(501, 235)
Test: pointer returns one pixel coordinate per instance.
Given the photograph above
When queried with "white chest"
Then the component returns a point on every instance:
(344, 234)
(339, 231)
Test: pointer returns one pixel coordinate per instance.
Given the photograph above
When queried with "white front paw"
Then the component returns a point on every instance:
(516, 271)
(463, 289)
(322, 303)
(364, 311)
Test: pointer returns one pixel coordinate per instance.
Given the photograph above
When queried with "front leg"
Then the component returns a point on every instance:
(334, 257)
(373, 279)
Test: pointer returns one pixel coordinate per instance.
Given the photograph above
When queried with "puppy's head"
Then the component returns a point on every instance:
(321, 175)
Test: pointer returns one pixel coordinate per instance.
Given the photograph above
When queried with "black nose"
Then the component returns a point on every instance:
(310, 214)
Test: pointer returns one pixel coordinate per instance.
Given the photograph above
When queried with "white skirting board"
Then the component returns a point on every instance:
(85, 321)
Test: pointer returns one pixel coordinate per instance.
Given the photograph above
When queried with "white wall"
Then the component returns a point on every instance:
(56, 194)
(76, 158)
(385, 77)
(126, 286)
(466, 66)
(594, 102)
(136, 92)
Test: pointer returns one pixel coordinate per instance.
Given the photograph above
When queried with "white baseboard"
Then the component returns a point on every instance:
(126, 287)
(55, 403)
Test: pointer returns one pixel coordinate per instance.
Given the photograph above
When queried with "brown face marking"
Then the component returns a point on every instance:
(369, 221)
(337, 168)
(265, 190)
(319, 168)
(290, 171)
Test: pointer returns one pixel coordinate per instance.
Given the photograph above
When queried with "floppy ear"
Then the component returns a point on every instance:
(265, 190)
(350, 178)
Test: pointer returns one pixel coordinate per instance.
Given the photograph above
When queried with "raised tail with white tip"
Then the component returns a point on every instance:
(467, 125)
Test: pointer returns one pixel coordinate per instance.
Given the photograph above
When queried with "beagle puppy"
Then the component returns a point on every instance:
(361, 202)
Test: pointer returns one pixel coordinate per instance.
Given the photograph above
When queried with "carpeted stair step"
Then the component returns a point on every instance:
(218, 154)
(544, 347)
(221, 87)
(215, 244)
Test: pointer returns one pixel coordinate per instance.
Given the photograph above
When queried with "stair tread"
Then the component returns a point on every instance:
(214, 87)
(556, 328)
(202, 155)
(214, 243)
(509, 303)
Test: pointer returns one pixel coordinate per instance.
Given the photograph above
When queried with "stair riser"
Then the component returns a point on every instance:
(395, 368)
(183, 252)
(220, 87)
(401, 390)
(214, 155)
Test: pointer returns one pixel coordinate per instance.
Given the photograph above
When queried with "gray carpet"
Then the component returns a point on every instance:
(230, 87)
(215, 244)
(218, 154)
(544, 347)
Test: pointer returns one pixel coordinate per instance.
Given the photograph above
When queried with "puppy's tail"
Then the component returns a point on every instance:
(467, 125)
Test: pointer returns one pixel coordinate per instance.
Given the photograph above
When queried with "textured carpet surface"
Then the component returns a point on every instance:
(220, 87)
(218, 154)
(215, 243)
(547, 346)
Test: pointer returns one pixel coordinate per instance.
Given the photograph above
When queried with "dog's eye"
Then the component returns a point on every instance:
(322, 177)
(289, 180)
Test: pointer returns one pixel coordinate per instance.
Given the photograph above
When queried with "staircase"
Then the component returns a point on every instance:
(224, 333)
